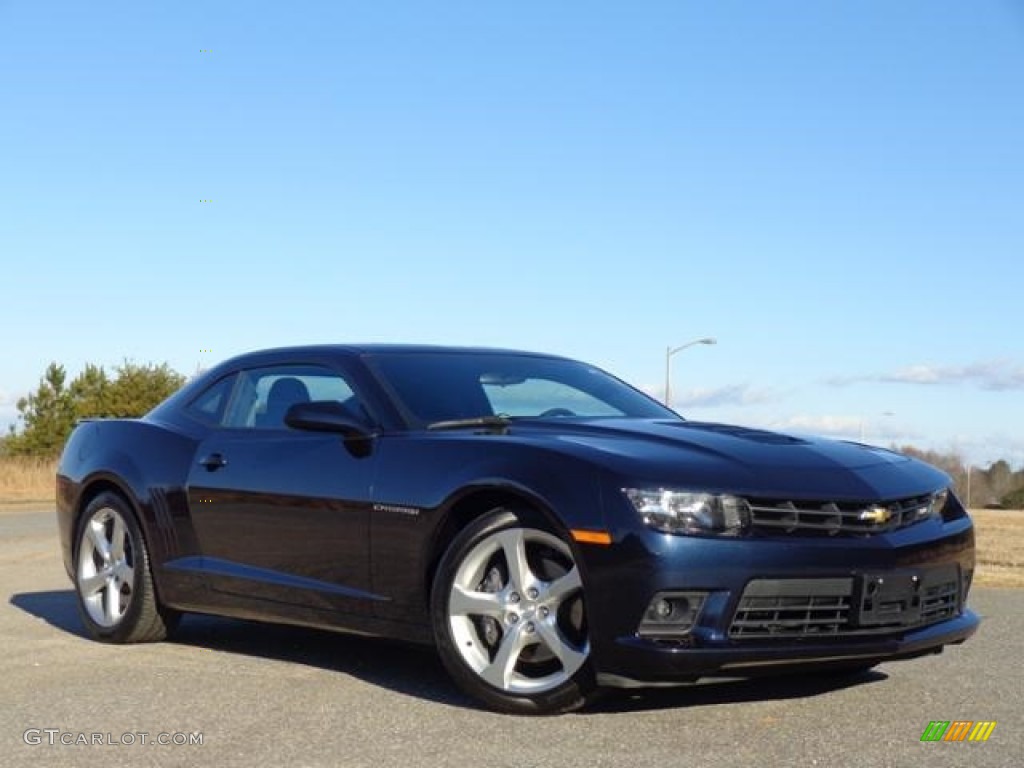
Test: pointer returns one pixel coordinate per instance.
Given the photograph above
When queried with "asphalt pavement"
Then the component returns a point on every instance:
(258, 695)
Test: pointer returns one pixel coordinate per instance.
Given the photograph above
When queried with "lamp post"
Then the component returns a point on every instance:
(669, 351)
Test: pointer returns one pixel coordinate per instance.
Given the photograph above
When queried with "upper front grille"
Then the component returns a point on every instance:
(830, 518)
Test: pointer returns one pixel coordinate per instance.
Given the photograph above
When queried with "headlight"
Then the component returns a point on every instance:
(938, 503)
(689, 511)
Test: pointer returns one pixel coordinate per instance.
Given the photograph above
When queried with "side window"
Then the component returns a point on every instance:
(265, 394)
(209, 405)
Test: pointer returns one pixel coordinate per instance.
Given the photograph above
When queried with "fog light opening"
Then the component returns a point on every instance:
(671, 613)
(663, 609)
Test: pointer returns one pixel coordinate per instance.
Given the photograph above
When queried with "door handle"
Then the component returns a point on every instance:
(213, 462)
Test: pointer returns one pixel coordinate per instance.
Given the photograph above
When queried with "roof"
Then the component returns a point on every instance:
(320, 352)
(392, 348)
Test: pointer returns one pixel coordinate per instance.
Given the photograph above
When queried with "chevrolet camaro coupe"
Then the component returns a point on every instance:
(548, 528)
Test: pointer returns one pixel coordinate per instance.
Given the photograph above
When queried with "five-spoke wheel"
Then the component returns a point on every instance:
(509, 616)
(106, 573)
(115, 589)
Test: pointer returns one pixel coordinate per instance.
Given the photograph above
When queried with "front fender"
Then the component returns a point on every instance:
(420, 480)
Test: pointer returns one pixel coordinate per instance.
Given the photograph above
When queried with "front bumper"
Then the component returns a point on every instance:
(638, 660)
(747, 624)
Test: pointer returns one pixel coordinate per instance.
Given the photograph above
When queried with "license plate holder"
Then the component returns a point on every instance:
(890, 598)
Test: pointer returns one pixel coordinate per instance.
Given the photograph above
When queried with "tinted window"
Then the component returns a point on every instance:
(264, 395)
(441, 386)
(532, 397)
(209, 405)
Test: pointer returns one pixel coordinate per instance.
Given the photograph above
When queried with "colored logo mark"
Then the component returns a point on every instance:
(206, 201)
(958, 730)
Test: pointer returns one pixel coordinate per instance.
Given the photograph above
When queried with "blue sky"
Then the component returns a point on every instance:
(833, 190)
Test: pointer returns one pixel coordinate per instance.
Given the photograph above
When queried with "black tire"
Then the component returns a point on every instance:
(113, 581)
(524, 653)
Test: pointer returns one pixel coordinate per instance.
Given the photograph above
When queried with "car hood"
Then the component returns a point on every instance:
(722, 457)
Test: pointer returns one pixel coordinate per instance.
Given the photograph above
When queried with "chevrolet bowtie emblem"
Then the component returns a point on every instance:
(876, 515)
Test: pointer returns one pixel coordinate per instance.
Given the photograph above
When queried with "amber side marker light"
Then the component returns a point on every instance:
(592, 537)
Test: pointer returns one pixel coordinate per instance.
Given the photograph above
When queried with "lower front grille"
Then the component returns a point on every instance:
(793, 607)
(939, 603)
(822, 608)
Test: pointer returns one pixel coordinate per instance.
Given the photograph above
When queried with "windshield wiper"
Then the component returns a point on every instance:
(493, 422)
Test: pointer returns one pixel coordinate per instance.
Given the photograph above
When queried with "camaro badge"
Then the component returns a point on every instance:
(410, 511)
(876, 515)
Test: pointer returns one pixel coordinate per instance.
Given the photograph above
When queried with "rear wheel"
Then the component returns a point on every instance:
(116, 596)
(508, 614)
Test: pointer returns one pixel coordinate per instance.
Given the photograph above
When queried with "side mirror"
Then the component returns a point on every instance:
(329, 416)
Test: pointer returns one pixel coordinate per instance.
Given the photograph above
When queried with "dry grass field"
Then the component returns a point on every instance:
(28, 484)
(1000, 539)
(26, 481)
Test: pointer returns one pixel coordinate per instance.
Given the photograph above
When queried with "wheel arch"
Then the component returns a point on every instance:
(95, 486)
(145, 617)
(469, 504)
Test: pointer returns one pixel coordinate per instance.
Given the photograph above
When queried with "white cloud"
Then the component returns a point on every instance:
(714, 397)
(995, 375)
(873, 430)
(819, 425)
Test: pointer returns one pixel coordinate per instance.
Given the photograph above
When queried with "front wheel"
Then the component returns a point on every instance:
(508, 613)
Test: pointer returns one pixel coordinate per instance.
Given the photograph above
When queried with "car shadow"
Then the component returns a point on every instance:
(417, 671)
(401, 667)
(412, 670)
(56, 607)
(712, 692)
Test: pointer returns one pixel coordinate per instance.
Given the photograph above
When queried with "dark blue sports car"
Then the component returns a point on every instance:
(548, 528)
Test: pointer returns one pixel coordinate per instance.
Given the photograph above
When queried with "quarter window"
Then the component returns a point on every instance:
(209, 405)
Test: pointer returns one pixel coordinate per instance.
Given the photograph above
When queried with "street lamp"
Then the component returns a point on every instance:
(669, 351)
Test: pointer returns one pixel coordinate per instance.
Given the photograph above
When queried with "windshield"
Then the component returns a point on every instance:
(433, 387)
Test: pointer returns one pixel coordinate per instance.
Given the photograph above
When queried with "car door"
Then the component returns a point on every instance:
(282, 515)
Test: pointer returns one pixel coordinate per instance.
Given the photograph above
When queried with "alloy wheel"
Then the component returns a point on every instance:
(515, 611)
(106, 567)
